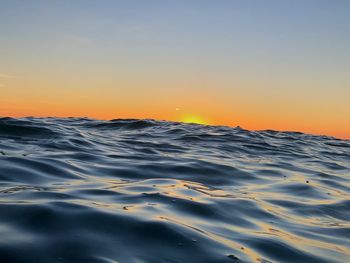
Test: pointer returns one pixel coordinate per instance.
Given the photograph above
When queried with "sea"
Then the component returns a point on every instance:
(130, 190)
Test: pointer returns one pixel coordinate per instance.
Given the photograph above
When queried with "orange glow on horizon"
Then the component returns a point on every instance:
(210, 109)
(249, 123)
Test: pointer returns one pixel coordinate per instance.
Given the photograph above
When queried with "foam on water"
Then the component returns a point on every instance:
(82, 190)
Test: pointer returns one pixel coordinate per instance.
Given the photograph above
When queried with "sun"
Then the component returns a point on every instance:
(193, 119)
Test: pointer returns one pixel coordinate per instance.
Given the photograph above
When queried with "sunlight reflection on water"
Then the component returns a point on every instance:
(82, 190)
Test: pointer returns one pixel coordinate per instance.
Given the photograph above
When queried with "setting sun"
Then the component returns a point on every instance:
(193, 119)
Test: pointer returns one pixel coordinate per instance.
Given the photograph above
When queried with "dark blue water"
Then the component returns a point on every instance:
(81, 190)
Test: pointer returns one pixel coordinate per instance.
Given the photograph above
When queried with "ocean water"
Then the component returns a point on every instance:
(83, 190)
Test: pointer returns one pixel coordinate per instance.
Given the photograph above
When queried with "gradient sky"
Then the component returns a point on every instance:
(271, 64)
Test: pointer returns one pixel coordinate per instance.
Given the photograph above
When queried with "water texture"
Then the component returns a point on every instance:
(82, 190)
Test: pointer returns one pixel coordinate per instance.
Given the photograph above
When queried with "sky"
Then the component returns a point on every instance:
(272, 64)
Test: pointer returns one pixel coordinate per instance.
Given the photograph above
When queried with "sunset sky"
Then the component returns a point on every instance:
(272, 64)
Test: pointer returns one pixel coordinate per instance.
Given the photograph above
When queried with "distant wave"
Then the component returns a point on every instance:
(129, 190)
(22, 128)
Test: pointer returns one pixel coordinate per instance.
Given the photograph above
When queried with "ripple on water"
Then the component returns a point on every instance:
(83, 190)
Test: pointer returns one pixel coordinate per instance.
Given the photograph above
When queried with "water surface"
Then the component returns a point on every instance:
(82, 190)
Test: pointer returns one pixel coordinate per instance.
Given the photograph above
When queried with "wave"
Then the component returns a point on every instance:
(129, 190)
(128, 124)
(22, 128)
